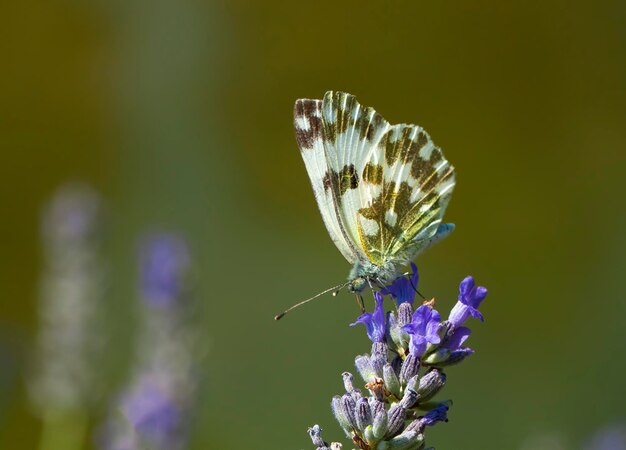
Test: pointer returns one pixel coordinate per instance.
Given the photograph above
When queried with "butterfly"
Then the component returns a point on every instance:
(382, 189)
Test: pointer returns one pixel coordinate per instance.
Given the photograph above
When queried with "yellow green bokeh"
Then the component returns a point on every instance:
(180, 114)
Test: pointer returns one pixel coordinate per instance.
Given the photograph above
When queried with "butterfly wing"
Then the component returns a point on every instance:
(309, 136)
(417, 183)
(350, 136)
(382, 189)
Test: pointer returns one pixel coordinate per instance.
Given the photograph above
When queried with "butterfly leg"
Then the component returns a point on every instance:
(359, 301)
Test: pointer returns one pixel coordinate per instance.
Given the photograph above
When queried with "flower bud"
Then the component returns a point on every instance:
(410, 367)
(401, 318)
(378, 361)
(364, 367)
(315, 432)
(368, 435)
(430, 384)
(379, 348)
(347, 381)
(409, 398)
(437, 357)
(391, 380)
(379, 426)
(405, 311)
(395, 419)
(340, 415)
(363, 414)
(456, 357)
(412, 384)
(356, 395)
(376, 406)
(408, 440)
(349, 406)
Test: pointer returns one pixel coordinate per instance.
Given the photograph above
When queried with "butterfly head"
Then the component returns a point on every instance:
(356, 285)
(364, 274)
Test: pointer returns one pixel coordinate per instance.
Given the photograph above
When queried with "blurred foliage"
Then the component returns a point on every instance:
(180, 114)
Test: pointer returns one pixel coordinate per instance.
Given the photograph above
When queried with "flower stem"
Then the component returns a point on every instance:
(63, 431)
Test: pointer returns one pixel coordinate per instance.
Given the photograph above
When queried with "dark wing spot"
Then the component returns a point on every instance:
(373, 174)
(436, 156)
(348, 179)
(421, 169)
(307, 110)
(344, 113)
(376, 123)
(329, 179)
(422, 139)
(404, 148)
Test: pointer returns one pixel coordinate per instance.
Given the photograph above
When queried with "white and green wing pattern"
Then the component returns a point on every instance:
(382, 189)
(309, 135)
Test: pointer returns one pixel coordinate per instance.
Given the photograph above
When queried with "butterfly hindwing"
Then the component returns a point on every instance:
(382, 189)
(416, 187)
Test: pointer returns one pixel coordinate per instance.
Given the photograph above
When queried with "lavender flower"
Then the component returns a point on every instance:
(376, 323)
(403, 289)
(157, 403)
(164, 261)
(611, 437)
(65, 383)
(456, 339)
(423, 329)
(153, 410)
(470, 297)
(402, 384)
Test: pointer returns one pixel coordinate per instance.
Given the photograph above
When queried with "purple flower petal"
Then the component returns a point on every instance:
(423, 329)
(439, 414)
(152, 411)
(376, 322)
(459, 336)
(403, 289)
(164, 260)
(470, 297)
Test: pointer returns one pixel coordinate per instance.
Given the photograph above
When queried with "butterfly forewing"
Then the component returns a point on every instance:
(309, 136)
(350, 135)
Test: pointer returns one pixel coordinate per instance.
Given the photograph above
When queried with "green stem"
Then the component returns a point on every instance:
(63, 431)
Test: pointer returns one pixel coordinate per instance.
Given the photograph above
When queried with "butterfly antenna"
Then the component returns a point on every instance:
(335, 289)
(415, 289)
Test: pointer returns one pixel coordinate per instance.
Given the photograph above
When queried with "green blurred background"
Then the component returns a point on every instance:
(180, 114)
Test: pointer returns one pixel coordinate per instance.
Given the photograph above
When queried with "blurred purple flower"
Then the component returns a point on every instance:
(153, 413)
(164, 259)
(158, 402)
(612, 437)
(403, 289)
(423, 329)
(470, 297)
(70, 341)
(72, 216)
(376, 322)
